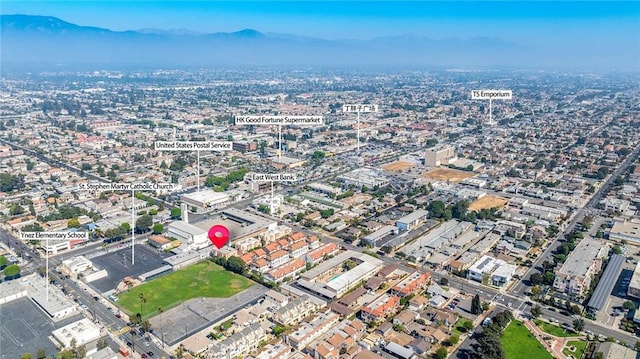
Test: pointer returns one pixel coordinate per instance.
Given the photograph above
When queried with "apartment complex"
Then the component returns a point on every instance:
(574, 276)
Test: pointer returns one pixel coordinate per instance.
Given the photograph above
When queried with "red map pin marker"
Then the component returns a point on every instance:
(219, 235)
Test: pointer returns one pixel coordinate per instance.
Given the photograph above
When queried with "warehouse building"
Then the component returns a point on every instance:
(206, 200)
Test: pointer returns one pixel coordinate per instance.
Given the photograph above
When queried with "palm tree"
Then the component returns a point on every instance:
(142, 301)
(160, 310)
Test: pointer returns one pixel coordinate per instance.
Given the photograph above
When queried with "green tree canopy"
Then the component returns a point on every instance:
(144, 223)
(12, 271)
(628, 305)
(158, 228)
(176, 212)
(578, 325)
(436, 209)
(441, 353)
(73, 223)
(476, 305)
(536, 311)
(235, 264)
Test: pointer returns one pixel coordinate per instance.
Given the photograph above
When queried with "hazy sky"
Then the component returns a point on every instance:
(536, 21)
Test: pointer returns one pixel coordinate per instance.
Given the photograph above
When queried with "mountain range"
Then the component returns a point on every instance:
(49, 41)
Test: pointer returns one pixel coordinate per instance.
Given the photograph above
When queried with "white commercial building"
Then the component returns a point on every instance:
(206, 200)
(628, 230)
(83, 331)
(634, 285)
(440, 156)
(369, 177)
(492, 271)
(195, 237)
(76, 265)
(412, 220)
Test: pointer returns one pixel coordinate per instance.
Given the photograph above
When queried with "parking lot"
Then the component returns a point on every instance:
(196, 314)
(613, 312)
(25, 328)
(118, 265)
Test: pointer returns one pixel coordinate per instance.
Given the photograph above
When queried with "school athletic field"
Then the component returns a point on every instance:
(204, 279)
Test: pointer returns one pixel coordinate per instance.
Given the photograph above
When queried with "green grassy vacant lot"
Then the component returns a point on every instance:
(578, 344)
(555, 330)
(518, 342)
(204, 279)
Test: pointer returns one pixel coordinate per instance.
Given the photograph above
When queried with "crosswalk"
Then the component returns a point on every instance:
(123, 330)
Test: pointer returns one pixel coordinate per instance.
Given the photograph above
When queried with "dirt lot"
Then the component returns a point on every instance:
(397, 166)
(488, 202)
(356, 199)
(447, 174)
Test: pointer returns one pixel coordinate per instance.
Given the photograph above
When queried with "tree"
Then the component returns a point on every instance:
(102, 343)
(549, 277)
(436, 209)
(80, 352)
(158, 228)
(460, 209)
(126, 227)
(444, 281)
(468, 325)
(536, 278)
(146, 325)
(12, 271)
(441, 353)
(386, 249)
(3, 262)
(476, 305)
(502, 319)
(144, 223)
(578, 325)
(15, 210)
(348, 265)
(235, 264)
(278, 330)
(617, 249)
(42, 354)
(66, 354)
(536, 311)
(73, 223)
(454, 339)
(176, 213)
(628, 305)
(25, 356)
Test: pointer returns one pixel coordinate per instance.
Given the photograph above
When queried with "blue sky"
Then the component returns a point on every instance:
(509, 20)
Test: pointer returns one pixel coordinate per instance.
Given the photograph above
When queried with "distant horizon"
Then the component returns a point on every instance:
(518, 33)
(357, 20)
